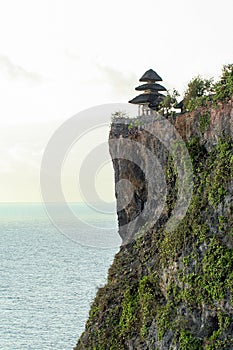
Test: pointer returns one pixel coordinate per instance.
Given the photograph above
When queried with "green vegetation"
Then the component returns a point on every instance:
(224, 87)
(215, 341)
(169, 102)
(197, 93)
(212, 278)
(164, 319)
(134, 124)
(148, 289)
(204, 120)
(221, 164)
(204, 92)
(138, 306)
(188, 342)
(205, 279)
(129, 311)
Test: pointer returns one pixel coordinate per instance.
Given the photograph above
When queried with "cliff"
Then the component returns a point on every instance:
(171, 284)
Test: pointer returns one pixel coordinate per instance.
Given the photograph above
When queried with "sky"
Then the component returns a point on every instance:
(59, 57)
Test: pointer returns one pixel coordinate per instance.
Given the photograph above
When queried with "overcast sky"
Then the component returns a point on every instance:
(58, 57)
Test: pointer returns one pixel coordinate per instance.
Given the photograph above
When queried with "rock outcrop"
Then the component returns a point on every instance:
(171, 284)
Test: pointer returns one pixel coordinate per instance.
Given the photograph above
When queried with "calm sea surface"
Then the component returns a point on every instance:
(47, 281)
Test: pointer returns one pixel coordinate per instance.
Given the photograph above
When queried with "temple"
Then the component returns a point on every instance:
(151, 98)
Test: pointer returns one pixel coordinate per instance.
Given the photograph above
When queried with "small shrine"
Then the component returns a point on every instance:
(180, 106)
(151, 98)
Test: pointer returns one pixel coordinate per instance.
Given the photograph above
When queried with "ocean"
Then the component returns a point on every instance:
(47, 280)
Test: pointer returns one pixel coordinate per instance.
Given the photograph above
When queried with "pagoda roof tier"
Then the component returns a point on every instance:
(152, 87)
(147, 99)
(154, 105)
(150, 76)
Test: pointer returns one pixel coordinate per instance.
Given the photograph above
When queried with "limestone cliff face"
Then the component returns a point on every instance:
(170, 286)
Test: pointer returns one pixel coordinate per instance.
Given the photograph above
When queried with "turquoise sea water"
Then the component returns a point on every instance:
(47, 281)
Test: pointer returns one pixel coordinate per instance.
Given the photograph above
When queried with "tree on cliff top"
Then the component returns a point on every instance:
(200, 92)
(197, 93)
(169, 102)
(224, 87)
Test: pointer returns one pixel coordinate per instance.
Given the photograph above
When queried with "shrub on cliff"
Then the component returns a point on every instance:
(197, 93)
(223, 89)
(169, 102)
(200, 92)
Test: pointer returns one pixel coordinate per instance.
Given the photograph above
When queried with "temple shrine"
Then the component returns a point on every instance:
(150, 99)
